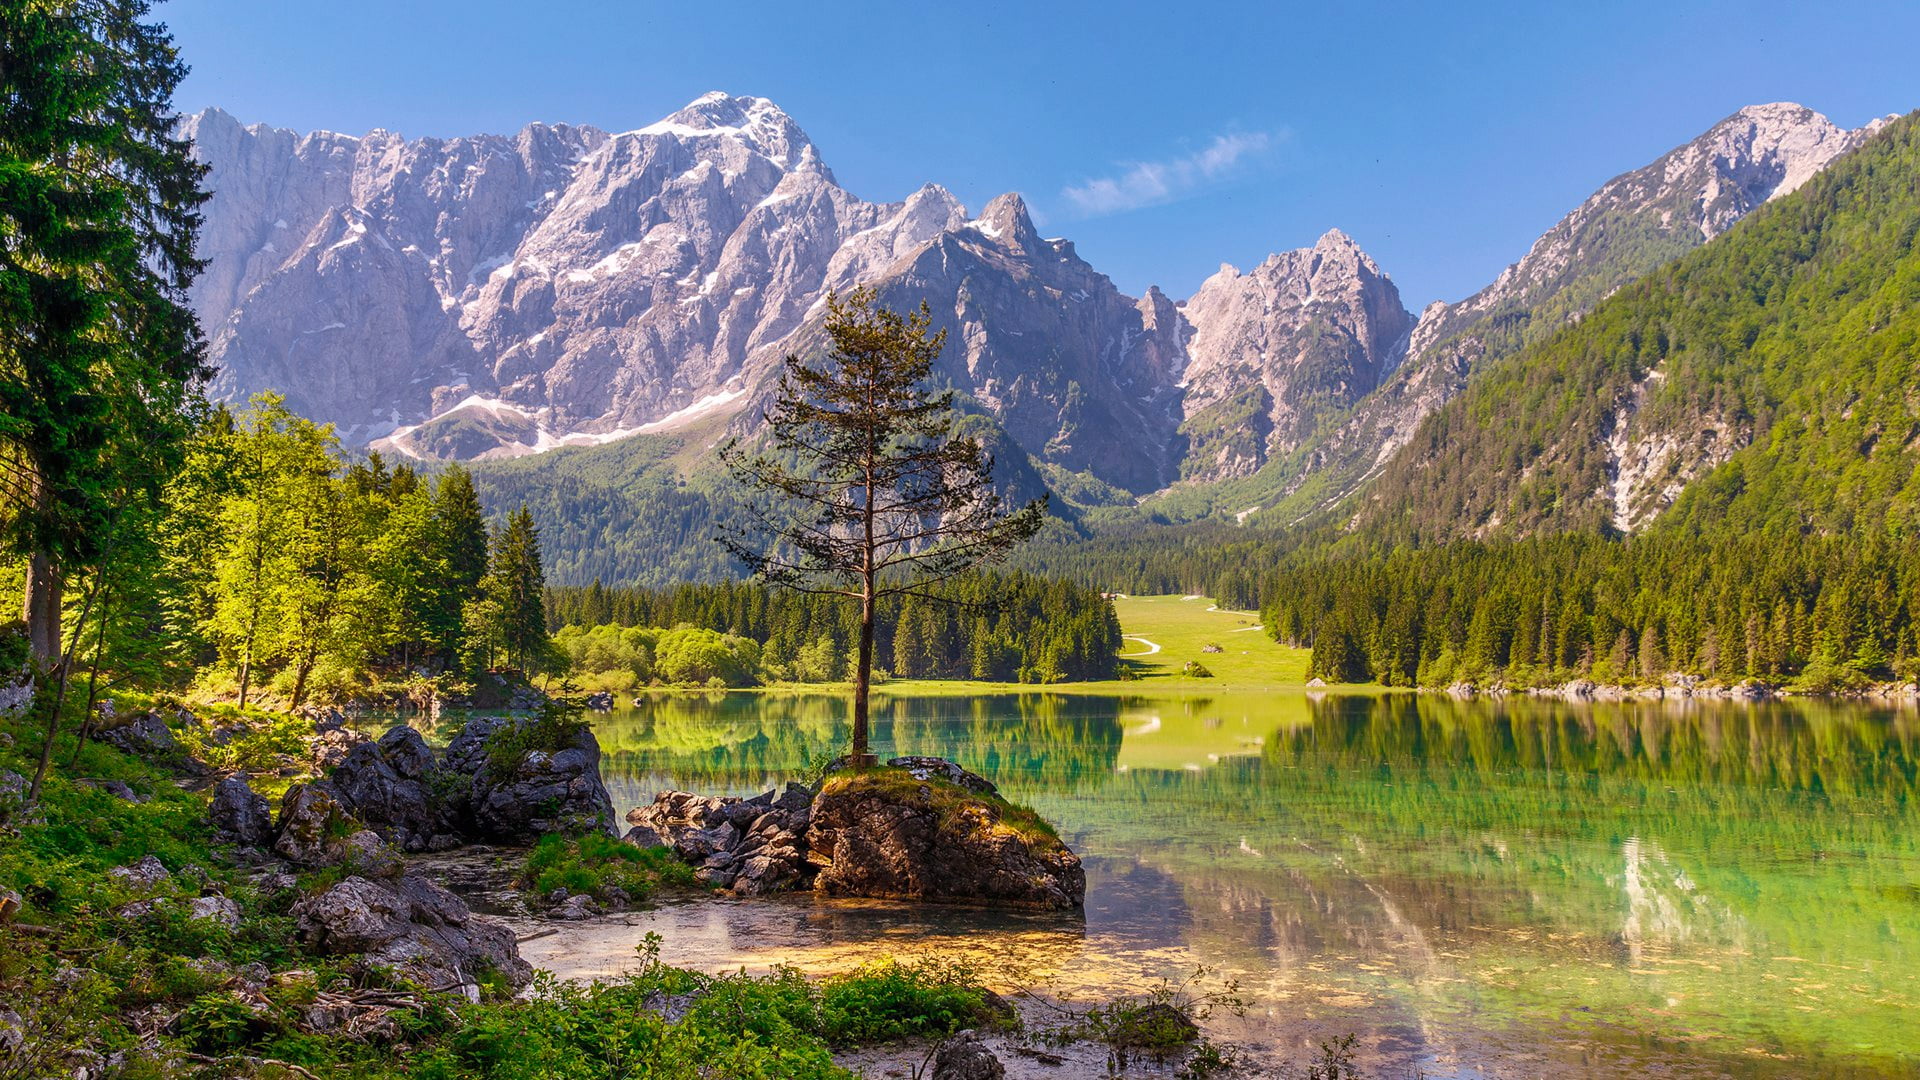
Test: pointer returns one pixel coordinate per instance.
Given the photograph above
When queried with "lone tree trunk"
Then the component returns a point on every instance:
(42, 610)
(867, 490)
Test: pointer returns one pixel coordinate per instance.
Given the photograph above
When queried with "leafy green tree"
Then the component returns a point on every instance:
(868, 492)
(260, 606)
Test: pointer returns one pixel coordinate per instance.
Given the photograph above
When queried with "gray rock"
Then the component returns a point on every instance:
(145, 736)
(239, 815)
(313, 827)
(217, 909)
(963, 1057)
(544, 791)
(925, 768)
(13, 793)
(148, 873)
(389, 785)
(644, 837)
(330, 748)
(13, 1032)
(412, 926)
(574, 908)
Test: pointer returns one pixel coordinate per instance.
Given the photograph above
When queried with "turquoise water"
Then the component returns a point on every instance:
(1469, 887)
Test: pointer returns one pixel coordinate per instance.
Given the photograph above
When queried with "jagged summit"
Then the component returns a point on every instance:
(495, 295)
(754, 120)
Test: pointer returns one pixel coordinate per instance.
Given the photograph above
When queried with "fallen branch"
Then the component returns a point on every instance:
(537, 935)
(252, 1062)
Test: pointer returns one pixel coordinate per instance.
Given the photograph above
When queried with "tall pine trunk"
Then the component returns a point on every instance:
(863, 683)
(41, 611)
(41, 606)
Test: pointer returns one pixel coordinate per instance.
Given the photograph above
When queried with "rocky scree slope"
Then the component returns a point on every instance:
(1765, 381)
(1634, 224)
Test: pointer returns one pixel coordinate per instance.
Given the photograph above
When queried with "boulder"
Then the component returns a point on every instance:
(313, 827)
(964, 1057)
(217, 909)
(542, 791)
(414, 927)
(600, 702)
(641, 836)
(389, 785)
(239, 815)
(330, 748)
(145, 736)
(13, 793)
(145, 875)
(886, 834)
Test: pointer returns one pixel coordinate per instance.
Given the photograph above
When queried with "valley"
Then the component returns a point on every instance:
(613, 598)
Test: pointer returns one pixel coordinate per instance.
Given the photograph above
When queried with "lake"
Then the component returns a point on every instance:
(1471, 888)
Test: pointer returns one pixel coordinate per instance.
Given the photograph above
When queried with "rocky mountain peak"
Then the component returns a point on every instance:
(1006, 220)
(1304, 334)
(755, 121)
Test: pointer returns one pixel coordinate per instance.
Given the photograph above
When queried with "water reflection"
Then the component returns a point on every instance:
(1717, 888)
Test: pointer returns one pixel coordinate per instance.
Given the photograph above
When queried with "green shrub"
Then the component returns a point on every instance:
(887, 1001)
(594, 862)
(556, 728)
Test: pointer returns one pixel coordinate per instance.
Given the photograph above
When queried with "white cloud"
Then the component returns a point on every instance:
(1151, 183)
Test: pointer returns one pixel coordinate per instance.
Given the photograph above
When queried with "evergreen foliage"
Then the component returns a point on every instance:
(1006, 627)
(870, 489)
(1829, 613)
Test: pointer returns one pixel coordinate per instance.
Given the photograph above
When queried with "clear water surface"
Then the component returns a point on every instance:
(1472, 888)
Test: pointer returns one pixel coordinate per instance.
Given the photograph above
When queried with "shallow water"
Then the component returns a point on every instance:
(1527, 888)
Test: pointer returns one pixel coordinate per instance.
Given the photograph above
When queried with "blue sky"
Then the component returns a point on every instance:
(1162, 138)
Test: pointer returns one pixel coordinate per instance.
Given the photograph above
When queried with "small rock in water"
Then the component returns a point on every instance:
(965, 1058)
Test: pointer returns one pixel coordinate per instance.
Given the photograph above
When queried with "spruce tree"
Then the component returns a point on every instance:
(100, 358)
(864, 489)
(518, 585)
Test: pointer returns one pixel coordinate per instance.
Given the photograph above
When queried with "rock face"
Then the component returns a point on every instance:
(1275, 351)
(500, 295)
(412, 926)
(240, 816)
(543, 791)
(873, 835)
(493, 296)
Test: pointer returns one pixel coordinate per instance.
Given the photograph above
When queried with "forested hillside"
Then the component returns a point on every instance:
(1830, 612)
(622, 512)
(1764, 382)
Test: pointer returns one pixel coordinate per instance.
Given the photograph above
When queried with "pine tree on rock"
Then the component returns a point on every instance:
(865, 488)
